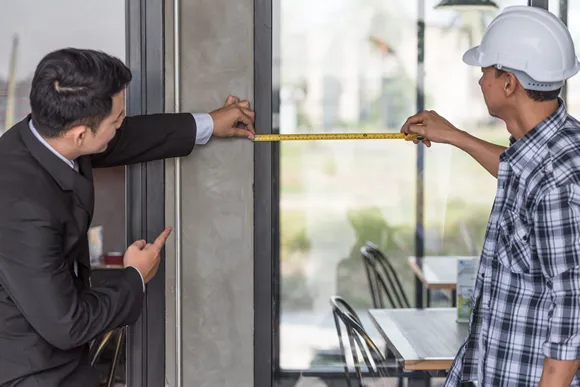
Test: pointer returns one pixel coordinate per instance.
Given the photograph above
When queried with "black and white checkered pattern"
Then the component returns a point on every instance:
(527, 293)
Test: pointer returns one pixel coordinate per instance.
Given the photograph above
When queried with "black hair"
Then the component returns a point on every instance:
(74, 87)
(537, 95)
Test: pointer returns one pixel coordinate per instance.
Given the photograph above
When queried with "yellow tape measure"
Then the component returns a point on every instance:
(336, 136)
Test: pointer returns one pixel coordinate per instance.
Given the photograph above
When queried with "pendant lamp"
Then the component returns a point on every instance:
(467, 5)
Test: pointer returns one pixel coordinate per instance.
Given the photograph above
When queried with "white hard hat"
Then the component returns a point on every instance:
(532, 43)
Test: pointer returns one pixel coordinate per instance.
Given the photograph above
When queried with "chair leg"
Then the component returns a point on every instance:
(100, 346)
(118, 349)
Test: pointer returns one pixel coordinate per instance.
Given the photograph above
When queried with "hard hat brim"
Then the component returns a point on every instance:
(471, 57)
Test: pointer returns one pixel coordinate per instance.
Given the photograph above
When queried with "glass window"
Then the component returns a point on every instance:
(30, 29)
(351, 66)
(344, 66)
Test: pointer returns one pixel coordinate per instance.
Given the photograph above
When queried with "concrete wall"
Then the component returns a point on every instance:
(217, 216)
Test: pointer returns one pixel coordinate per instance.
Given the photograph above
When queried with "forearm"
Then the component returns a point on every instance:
(485, 153)
(558, 373)
(148, 138)
(66, 319)
(117, 302)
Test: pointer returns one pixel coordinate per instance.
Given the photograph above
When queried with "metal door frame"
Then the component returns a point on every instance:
(145, 188)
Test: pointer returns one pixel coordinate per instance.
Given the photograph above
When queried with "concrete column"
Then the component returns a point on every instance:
(217, 216)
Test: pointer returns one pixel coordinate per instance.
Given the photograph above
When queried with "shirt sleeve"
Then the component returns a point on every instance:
(204, 124)
(557, 232)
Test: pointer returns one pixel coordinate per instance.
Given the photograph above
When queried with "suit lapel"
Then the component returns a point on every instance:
(84, 188)
(78, 184)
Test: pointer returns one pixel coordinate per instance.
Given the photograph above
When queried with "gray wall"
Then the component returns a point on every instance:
(217, 216)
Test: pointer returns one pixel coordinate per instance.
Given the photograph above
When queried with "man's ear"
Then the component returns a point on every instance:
(511, 84)
(77, 135)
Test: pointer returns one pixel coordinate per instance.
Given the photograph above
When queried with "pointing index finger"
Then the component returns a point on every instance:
(160, 241)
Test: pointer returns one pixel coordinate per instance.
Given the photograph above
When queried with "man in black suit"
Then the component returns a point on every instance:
(48, 311)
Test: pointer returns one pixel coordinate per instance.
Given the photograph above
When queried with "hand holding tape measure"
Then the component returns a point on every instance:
(431, 127)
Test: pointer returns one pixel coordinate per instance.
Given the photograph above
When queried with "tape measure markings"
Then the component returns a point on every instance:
(336, 136)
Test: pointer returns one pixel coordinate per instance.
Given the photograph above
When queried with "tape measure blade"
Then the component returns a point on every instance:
(335, 136)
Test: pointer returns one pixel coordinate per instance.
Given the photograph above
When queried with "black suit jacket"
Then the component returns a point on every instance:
(48, 315)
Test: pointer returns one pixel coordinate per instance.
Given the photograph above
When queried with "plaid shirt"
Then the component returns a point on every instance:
(526, 303)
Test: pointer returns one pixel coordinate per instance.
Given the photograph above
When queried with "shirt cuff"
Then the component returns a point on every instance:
(568, 350)
(204, 125)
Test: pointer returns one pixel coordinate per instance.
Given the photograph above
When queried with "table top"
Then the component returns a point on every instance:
(423, 339)
(437, 272)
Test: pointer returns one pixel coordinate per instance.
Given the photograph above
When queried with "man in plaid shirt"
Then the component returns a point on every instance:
(525, 326)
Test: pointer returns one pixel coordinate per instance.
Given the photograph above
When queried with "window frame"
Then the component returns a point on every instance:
(145, 188)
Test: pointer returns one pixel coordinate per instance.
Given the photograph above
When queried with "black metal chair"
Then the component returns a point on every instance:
(360, 343)
(383, 279)
(98, 346)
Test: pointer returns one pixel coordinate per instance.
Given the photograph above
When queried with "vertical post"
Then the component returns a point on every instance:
(419, 226)
(145, 190)
(564, 17)
(538, 3)
(177, 191)
(265, 203)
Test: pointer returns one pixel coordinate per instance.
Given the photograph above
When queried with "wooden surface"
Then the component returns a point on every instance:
(423, 339)
(437, 272)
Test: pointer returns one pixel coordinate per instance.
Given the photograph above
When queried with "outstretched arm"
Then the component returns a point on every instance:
(167, 135)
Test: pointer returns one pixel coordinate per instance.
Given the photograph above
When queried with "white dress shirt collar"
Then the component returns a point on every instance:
(72, 164)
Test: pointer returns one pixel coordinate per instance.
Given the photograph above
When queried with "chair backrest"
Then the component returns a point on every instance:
(376, 280)
(383, 278)
(358, 340)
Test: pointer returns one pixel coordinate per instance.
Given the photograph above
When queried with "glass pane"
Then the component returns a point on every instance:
(30, 29)
(459, 193)
(351, 66)
(344, 66)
